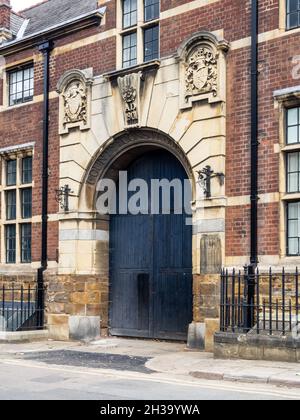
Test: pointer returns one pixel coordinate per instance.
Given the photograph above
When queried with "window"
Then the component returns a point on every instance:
(293, 228)
(140, 33)
(129, 13)
(16, 208)
(129, 50)
(11, 205)
(10, 236)
(293, 124)
(293, 172)
(293, 180)
(27, 170)
(21, 85)
(26, 243)
(293, 14)
(151, 39)
(151, 10)
(11, 172)
(26, 201)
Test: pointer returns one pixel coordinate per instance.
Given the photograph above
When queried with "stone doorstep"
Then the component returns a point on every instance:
(23, 336)
(290, 382)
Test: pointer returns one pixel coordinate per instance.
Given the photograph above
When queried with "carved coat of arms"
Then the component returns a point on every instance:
(75, 99)
(201, 73)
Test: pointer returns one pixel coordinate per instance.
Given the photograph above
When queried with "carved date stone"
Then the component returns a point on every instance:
(129, 87)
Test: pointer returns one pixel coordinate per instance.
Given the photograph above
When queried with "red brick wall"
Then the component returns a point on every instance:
(22, 125)
(275, 63)
(5, 14)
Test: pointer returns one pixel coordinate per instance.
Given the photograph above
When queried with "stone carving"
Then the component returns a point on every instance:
(202, 65)
(74, 88)
(211, 254)
(201, 72)
(75, 105)
(126, 141)
(129, 87)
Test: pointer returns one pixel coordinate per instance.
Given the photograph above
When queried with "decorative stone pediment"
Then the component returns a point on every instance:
(74, 88)
(202, 69)
(129, 87)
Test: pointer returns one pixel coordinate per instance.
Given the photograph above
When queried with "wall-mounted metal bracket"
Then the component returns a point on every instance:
(62, 197)
(205, 177)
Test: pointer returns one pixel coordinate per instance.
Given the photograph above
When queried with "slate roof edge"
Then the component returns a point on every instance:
(97, 12)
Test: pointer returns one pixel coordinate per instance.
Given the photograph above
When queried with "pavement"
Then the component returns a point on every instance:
(150, 357)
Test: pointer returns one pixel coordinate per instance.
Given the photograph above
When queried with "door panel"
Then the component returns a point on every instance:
(151, 263)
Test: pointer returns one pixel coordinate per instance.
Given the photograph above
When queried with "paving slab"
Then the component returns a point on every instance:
(204, 366)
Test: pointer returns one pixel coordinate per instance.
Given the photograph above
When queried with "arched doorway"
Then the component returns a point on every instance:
(151, 261)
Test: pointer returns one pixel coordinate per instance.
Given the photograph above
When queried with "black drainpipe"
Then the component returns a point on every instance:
(254, 132)
(254, 166)
(45, 48)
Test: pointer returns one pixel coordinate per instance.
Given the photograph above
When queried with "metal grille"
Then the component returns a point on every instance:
(260, 303)
(21, 308)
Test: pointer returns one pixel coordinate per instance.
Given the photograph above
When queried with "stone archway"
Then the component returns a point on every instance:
(117, 155)
(125, 147)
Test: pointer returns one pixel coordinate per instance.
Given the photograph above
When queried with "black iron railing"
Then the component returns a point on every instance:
(20, 309)
(274, 309)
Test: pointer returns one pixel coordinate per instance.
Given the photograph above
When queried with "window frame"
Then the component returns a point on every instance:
(8, 249)
(145, 7)
(288, 254)
(131, 11)
(29, 250)
(24, 204)
(287, 172)
(140, 28)
(144, 42)
(287, 126)
(129, 34)
(287, 15)
(16, 70)
(23, 171)
(11, 206)
(17, 189)
(7, 173)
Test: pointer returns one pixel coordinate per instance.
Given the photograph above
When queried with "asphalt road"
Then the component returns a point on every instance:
(35, 379)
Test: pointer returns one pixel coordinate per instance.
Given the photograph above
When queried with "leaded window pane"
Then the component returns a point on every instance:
(129, 13)
(293, 172)
(151, 43)
(152, 10)
(11, 173)
(130, 50)
(27, 170)
(21, 85)
(10, 240)
(26, 201)
(293, 126)
(26, 243)
(293, 228)
(11, 205)
(293, 13)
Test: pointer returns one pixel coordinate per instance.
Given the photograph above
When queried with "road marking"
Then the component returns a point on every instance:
(156, 377)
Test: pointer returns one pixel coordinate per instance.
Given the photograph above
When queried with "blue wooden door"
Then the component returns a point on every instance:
(151, 263)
